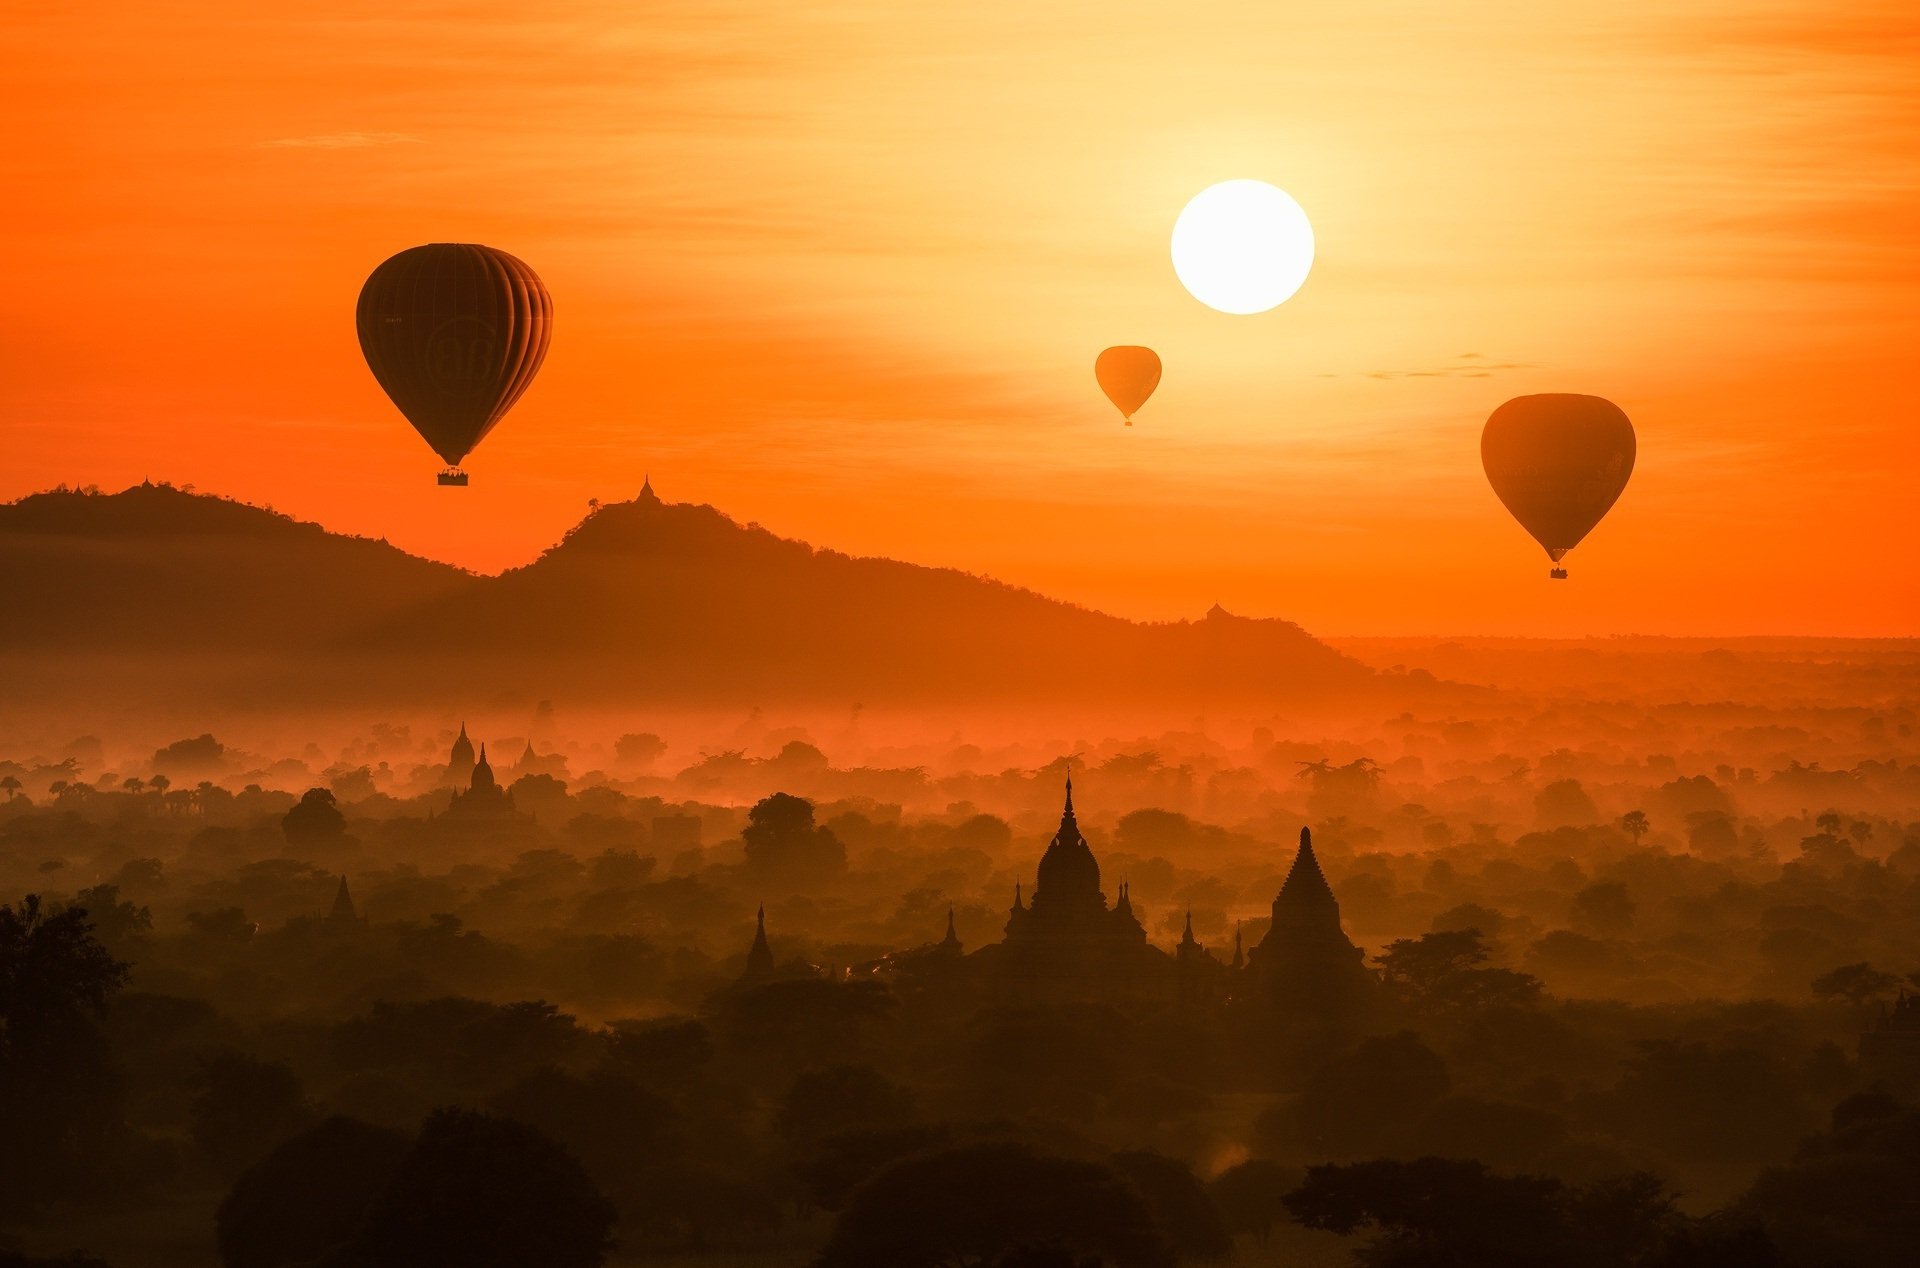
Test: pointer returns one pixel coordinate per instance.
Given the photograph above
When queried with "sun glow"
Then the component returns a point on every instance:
(1242, 247)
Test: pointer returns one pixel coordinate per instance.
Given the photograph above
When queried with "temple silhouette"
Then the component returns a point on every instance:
(1065, 941)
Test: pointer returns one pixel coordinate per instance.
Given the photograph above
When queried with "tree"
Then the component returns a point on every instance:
(243, 1107)
(621, 1132)
(9, 785)
(1444, 1211)
(309, 1196)
(782, 840)
(316, 820)
(1183, 1209)
(487, 1192)
(1858, 984)
(1252, 1196)
(843, 1098)
(120, 927)
(1441, 972)
(59, 1089)
(1604, 907)
(977, 1203)
(1847, 1196)
(1634, 824)
(1364, 1102)
(52, 969)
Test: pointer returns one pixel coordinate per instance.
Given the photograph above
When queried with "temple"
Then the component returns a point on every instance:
(460, 761)
(1065, 942)
(1306, 964)
(759, 956)
(484, 798)
(1890, 1048)
(1066, 936)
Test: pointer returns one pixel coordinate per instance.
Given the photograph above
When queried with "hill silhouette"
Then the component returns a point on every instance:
(158, 569)
(641, 601)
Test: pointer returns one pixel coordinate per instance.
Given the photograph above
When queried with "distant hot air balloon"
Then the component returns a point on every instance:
(1558, 462)
(454, 332)
(1128, 376)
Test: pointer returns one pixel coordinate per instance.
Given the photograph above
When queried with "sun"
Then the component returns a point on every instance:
(1242, 246)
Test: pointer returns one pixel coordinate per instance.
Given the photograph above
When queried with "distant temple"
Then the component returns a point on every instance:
(460, 762)
(1066, 936)
(484, 798)
(342, 915)
(343, 912)
(1066, 942)
(759, 955)
(1305, 963)
(1890, 1049)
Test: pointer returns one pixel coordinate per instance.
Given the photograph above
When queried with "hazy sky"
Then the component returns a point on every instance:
(843, 267)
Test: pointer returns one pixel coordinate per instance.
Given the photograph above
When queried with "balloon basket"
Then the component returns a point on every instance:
(1558, 574)
(454, 476)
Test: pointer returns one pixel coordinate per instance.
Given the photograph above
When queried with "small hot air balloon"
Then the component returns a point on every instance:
(1128, 376)
(454, 332)
(1558, 461)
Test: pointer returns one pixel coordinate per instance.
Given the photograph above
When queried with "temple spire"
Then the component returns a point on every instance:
(342, 902)
(759, 955)
(952, 939)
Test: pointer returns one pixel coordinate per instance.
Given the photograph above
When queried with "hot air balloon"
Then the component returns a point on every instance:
(1558, 462)
(454, 332)
(1128, 376)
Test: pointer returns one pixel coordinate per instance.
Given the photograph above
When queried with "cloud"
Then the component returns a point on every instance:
(1473, 365)
(340, 141)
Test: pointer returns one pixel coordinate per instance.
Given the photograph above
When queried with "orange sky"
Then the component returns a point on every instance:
(842, 268)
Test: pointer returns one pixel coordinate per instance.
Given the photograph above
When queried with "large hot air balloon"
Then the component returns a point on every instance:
(1558, 462)
(1128, 376)
(454, 332)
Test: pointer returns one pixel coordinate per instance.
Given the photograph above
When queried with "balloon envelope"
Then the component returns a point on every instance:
(1128, 376)
(454, 332)
(1558, 462)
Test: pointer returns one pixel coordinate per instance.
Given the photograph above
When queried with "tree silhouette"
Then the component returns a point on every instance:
(480, 1191)
(1442, 973)
(243, 1107)
(1634, 824)
(1443, 1211)
(315, 820)
(977, 1203)
(58, 1087)
(1183, 1210)
(844, 1098)
(782, 840)
(309, 1196)
(1858, 984)
(1362, 1102)
(1252, 1196)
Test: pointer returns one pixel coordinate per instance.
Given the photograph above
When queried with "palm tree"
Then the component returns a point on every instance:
(1634, 824)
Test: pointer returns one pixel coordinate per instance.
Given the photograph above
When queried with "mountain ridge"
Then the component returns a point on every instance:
(641, 599)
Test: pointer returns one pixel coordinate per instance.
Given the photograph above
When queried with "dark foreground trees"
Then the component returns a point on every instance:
(60, 1094)
(1432, 1212)
(308, 1197)
(472, 1189)
(995, 1203)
